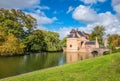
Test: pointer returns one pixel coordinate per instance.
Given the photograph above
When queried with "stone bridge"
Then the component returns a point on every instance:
(99, 51)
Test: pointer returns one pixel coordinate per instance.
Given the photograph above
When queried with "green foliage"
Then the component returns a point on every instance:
(114, 50)
(98, 32)
(52, 41)
(36, 41)
(63, 42)
(41, 40)
(114, 41)
(12, 30)
(14, 21)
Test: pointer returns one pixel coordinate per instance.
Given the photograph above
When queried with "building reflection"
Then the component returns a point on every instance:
(74, 56)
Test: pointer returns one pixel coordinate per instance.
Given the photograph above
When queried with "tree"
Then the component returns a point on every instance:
(15, 25)
(98, 32)
(114, 40)
(35, 41)
(11, 46)
(63, 42)
(15, 21)
(41, 40)
(2, 36)
(52, 40)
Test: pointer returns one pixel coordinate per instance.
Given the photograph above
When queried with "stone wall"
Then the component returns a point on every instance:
(72, 44)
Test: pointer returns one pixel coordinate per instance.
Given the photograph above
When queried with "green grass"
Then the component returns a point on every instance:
(104, 68)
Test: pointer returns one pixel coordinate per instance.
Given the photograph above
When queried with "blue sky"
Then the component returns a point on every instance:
(63, 15)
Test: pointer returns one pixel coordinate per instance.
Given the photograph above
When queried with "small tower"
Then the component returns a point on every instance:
(96, 43)
(105, 42)
(72, 41)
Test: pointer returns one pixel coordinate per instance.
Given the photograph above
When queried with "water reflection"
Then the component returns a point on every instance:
(10, 66)
(74, 56)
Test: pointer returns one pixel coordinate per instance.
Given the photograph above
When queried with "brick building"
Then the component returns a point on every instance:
(78, 41)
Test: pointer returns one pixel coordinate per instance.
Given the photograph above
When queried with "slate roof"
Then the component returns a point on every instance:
(81, 33)
(73, 30)
(72, 36)
(90, 43)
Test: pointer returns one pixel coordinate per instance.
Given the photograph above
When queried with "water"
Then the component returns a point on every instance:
(11, 66)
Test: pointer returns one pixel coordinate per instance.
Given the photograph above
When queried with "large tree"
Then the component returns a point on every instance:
(11, 46)
(35, 41)
(41, 40)
(52, 40)
(114, 40)
(98, 32)
(16, 22)
(15, 25)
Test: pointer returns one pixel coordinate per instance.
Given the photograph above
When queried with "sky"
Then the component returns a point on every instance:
(63, 15)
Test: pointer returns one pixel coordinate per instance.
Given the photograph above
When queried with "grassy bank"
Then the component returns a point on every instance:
(104, 68)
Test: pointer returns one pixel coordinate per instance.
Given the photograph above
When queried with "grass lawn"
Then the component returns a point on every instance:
(104, 68)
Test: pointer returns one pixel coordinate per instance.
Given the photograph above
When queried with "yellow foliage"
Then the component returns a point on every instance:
(11, 46)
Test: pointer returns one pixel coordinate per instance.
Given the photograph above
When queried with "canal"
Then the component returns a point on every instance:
(11, 66)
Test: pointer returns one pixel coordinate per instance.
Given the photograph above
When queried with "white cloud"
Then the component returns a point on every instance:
(85, 14)
(92, 18)
(112, 29)
(115, 2)
(92, 1)
(41, 27)
(116, 6)
(89, 16)
(107, 19)
(19, 4)
(30, 5)
(43, 7)
(42, 18)
(89, 1)
(70, 9)
(64, 31)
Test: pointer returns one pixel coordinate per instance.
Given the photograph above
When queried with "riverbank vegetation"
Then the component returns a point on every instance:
(104, 68)
(19, 34)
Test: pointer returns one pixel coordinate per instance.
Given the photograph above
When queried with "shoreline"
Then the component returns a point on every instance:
(87, 70)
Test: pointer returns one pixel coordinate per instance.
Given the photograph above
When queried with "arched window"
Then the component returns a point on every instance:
(81, 43)
(70, 45)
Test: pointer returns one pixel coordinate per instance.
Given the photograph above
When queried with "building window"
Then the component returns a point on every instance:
(70, 45)
(81, 43)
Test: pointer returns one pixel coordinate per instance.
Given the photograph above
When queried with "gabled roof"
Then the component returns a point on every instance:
(72, 36)
(81, 33)
(90, 43)
(73, 30)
